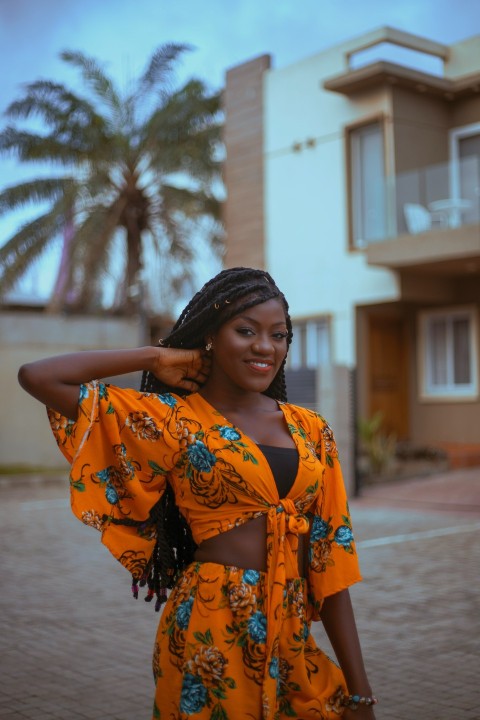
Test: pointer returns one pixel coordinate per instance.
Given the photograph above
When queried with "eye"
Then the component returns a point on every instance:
(245, 331)
(280, 335)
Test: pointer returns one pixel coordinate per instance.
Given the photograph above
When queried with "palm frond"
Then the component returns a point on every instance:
(31, 147)
(171, 237)
(96, 78)
(33, 191)
(183, 135)
(189, 108)
(54, 103)
(90, 255)
(160, 67)
(193, 204)
(21, 250)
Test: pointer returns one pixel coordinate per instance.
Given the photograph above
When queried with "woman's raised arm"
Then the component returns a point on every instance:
(55, 381)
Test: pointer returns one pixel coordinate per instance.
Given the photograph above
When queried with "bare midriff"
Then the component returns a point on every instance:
(243, 547)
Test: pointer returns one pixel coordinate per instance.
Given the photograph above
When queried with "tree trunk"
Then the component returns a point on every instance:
(133, 277)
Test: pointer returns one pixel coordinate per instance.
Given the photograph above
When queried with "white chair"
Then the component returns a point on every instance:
(417, 217)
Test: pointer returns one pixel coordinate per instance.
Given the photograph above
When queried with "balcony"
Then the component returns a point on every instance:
(432, 220)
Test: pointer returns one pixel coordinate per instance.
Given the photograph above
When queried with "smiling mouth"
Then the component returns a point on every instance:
(259, 365)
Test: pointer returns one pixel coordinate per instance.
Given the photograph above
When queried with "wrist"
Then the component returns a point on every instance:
(151, 357)
(356, 701)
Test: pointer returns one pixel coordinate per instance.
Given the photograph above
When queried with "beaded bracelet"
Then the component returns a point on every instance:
(353, 701)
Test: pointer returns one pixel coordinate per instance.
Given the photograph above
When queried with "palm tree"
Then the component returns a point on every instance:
(137, 175)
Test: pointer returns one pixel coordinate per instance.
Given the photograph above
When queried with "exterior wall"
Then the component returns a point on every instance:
(434, 422)
(421, 124)
(243, 136)
(305, 202)
(466, 111)
(463, 57)
(25, 437)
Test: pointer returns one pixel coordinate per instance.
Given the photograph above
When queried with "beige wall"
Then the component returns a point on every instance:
(25, 438)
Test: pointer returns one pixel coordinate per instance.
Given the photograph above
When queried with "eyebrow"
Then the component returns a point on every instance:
(255, 322)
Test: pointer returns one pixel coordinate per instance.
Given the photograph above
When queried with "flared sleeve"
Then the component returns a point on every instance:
(120, 448)
(332, 557)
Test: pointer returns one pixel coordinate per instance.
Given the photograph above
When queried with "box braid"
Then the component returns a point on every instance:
(229, 293)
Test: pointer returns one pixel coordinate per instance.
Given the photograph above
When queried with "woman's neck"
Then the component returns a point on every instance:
(232, 401)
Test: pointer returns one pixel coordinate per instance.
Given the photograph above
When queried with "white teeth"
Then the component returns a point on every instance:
(262, 365)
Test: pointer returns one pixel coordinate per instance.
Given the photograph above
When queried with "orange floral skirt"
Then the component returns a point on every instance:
(209, 659)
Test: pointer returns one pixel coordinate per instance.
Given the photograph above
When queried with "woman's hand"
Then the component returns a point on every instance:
(186, 369)
(55, 381)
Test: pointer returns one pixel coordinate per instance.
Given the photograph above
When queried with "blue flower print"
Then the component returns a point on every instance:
(257, 627)
(111, 494)
(343, 536)
(167, 399)
(194, 695)
(273, 668)
(102, 391)
(103, 475)
(306, 632)
(184, 611)
(251, 577)
(229, 433)
(84, 393)
(200, 457)
(319, 529)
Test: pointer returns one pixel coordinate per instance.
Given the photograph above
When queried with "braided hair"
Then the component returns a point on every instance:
(226, 295)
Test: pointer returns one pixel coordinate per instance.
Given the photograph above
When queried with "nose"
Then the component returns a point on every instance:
(262, 344)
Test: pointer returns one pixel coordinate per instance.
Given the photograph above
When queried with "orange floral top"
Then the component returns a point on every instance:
(126, 444)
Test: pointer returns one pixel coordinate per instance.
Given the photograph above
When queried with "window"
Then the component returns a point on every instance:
(465, 169)
(310, 346)
(448, 343)
(367, 184)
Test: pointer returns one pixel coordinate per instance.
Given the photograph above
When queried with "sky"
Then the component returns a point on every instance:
(124, 33)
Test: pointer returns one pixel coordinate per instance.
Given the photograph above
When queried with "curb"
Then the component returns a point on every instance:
(22, 479)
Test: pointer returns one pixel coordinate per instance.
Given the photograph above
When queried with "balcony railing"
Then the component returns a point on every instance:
(437, 197)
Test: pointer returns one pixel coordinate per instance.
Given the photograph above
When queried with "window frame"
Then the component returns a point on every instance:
(456, 134)
(378, 119)
(308, 325)
(450, 392)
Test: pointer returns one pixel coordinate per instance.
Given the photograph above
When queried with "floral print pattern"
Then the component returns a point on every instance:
(230, 641)
(224, 652)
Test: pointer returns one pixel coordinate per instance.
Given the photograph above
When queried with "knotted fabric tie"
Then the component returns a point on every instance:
(282, 520)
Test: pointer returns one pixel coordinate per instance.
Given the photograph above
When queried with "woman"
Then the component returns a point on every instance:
(262, 544)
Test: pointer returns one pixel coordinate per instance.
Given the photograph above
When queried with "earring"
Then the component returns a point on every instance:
(209, 346)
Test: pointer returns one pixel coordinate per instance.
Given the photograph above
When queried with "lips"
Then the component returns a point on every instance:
(262, 366)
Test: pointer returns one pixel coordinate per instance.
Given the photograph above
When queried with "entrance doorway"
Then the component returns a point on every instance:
(388, 372)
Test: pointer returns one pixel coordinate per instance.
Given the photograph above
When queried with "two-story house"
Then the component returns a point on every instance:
(356, 182)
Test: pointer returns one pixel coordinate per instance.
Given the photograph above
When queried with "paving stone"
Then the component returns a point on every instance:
(76, 646)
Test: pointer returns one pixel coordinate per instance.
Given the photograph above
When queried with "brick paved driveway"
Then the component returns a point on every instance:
(75, 645)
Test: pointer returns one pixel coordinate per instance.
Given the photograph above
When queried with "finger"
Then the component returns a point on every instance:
(200, 378)
(189, 385)
(199, 372)
(206, 364)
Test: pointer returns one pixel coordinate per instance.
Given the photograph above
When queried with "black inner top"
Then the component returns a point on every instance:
(284, 466)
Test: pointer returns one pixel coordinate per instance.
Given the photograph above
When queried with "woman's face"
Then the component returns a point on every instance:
(249, 349)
